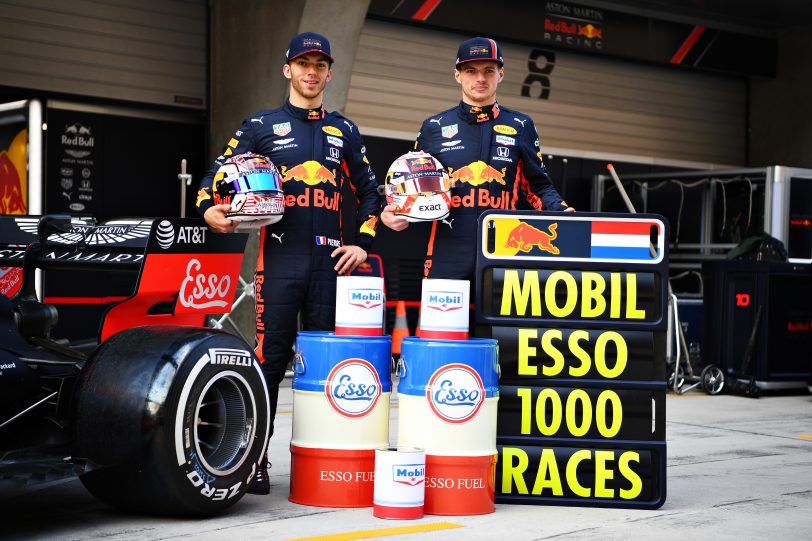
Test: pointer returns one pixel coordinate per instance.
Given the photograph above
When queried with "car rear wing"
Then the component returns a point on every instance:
(185, 270)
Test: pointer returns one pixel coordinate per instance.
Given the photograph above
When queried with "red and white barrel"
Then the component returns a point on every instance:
(360, 305)
(399, 482)
(341, 387)
(448, 394)
(444, 309)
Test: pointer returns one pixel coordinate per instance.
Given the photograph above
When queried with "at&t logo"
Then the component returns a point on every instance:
(353, 388)
(165, 234)
(444, 301)
(455, 393)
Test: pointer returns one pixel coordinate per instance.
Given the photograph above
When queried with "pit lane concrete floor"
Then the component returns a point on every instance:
(738, 468)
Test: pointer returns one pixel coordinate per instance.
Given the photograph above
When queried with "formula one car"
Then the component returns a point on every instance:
(158, 414)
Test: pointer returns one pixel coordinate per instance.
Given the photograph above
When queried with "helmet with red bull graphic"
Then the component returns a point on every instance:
(252, 185)
(419, 185)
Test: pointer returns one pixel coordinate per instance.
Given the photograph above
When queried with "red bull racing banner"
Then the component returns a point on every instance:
(578, 305)
(13, 190)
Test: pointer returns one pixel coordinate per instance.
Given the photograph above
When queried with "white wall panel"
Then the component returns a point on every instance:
(404, 74)
(147, 51)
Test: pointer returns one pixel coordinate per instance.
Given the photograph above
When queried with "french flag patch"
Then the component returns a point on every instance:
(321, 241)
(623, 240)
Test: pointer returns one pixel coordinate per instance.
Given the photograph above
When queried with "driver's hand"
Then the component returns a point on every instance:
(392, 220)
(216, 218)
(351, 257)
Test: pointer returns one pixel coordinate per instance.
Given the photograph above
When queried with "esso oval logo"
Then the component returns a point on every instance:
(353, 388)
(455, 393)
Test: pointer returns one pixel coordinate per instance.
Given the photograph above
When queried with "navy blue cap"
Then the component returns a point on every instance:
(479, 49)
(308, 42)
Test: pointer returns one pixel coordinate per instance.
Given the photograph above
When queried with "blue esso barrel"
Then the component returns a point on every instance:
(447, 394)
(341, 387)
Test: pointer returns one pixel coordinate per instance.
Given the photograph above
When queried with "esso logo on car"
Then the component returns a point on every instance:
(455, 393)
(353, 388)
(200, 290)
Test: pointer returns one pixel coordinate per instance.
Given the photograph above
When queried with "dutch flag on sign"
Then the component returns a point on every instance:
(624, 240)
(321, 241)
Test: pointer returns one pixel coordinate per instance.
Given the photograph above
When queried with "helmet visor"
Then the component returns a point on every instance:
(258, 181)
(423, 184)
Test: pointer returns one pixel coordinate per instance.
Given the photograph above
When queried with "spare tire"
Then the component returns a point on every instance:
(171, 420)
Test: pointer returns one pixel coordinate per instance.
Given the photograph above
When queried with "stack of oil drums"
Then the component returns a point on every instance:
(448, 392)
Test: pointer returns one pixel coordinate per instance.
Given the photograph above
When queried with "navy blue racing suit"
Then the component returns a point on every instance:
(316, 153)
(493, 155)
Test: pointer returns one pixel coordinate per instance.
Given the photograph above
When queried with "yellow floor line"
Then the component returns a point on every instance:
(805, 436)
(381, 532)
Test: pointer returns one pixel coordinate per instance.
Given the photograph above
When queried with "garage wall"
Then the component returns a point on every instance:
(148, 51)
(403, 74)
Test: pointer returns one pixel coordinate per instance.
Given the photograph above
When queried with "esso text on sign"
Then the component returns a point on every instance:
(353, 388)
(199, 290)
(444, 301)
(455, 393)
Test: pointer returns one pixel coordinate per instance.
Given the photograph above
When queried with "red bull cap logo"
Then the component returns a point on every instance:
(477, 173)
(310, 172)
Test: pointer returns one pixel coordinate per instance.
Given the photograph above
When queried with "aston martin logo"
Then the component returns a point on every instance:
(107, 233)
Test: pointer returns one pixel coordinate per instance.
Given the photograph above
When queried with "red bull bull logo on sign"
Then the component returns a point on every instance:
(525, 237)
(353, 388)
(455, 393)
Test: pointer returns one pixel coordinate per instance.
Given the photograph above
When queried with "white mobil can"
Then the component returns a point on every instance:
(360, 305)
(400, 482)
(444, 309)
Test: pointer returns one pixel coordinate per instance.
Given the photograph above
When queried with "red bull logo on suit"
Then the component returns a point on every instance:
(311, 173)
(477, 173)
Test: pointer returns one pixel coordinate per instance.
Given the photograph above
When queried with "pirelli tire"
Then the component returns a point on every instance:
(171, 420)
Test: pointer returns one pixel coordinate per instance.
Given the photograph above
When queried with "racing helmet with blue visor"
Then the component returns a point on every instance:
(251, 183)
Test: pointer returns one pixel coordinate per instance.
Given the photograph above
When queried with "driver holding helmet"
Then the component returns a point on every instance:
(317, 153)
(493, 160)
